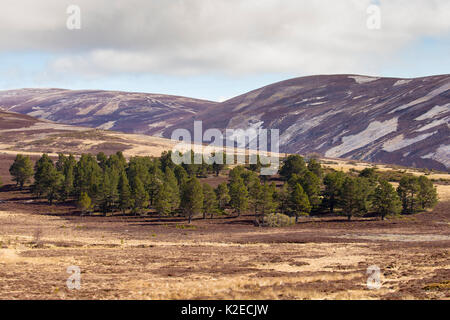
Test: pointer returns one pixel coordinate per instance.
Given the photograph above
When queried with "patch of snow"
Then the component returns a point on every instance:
(441, 155)
(158, 124)
(399, 142)
(363, 79)
(434, 112)
(302, 125)
(373, 132)
(435, 123)
(39, 114)
(107, 125)
(429, 96)
(400, 82)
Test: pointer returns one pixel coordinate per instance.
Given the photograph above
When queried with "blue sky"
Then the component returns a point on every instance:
(216, 49)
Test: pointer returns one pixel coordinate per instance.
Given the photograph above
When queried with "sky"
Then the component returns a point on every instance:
(216, 49)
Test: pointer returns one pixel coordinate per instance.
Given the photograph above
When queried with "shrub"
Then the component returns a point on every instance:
(277, 220)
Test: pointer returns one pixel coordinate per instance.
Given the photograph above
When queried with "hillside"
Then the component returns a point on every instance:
(25, 134)
(120, 111)
(398, 121)
(381, 120)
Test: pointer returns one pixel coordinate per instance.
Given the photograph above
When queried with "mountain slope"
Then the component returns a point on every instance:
(399, 121)
(121, 111)
(388, 120)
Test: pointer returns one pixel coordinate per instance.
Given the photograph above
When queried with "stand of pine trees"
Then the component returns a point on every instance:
(111, 184)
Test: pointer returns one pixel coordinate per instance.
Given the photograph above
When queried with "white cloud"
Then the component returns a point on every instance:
(226, 36)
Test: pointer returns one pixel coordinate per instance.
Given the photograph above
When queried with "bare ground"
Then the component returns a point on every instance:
(223, 258)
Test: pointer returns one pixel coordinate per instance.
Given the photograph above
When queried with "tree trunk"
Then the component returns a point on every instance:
(349, 218)
(189, 218)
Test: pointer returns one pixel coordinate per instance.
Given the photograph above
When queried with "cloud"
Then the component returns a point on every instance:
(234, 37)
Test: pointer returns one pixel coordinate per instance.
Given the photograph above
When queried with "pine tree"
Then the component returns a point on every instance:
(47, 180)
(87, 177)
(386, 200)
(156, 181)
(172, 186)
(238, 195)
(298, 203)
(84, 203)
(140, 196)
(254, 192)
(266, 203)
(283, 198)
(333, 188)
(66, 165)
(180, 174)
(108, 194)
(223, 196)
(125, 201)
(21, 170)
(163, 202)
(427, 195)
(209, 201)
(192, 198)
(294, 164)
(102, 160)
(408, 189)
(315, 167)
(355, 195)
(311, 185)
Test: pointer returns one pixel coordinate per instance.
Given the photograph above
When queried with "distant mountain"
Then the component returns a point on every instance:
(120, 111)
(387, 120)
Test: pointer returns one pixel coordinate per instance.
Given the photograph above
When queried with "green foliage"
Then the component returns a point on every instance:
(310, 184)
(140, 196)
(278, 220)
(47, 180)
(210, 204)
(294, 164)
(355, 196)
(298, 202)
(238, 193)
(21, 170)
(254, 192)
(192, 198)
(88, 175)
(333, 182)
(416, 194)
(84, 203)
(407, 190)
(386, 200)
(427, 195)
(223, 197)
(125, 199)
(108, 193)
(315, 167)
(265, 201)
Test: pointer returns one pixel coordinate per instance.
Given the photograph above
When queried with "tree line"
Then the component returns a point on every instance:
(112, 184)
